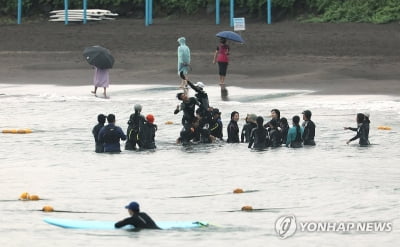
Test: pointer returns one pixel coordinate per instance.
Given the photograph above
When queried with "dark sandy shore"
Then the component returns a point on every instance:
(327, 58)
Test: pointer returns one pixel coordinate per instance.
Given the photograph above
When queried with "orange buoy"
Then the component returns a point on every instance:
(238, 190)
(247, 208)
(24, 196)
(34, 197)
(384, 128)
(16, 131)
(47, 208)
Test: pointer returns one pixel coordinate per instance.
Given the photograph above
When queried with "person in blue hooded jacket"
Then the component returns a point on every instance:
(183, 59)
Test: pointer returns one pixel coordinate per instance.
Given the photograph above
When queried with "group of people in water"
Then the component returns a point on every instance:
(202, 123)
(139, 134)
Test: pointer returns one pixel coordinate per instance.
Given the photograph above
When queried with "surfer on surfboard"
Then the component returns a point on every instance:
(139, 220)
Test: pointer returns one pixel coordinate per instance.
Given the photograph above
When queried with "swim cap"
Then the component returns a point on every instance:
(138, 107)
(133, 206)
(150, 118)
(200, 84)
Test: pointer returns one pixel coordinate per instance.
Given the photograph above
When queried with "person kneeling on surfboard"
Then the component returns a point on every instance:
(139, 220)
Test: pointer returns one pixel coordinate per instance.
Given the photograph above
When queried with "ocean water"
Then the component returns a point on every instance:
(331, 182)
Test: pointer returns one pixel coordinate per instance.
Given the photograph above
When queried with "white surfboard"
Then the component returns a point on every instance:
(88, 11)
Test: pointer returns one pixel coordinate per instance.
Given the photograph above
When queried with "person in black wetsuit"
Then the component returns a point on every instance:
(216, 127)
(366, 122)
(248, 127)
(147, 133)
(284, 126)
(275, 114)
(101, 119)
(233, 128)
(110, 135)
(202, 98)
(259, 135)
(136, 121)
(309, 129)
(189, 133)
(139, 220)
(362, 130)
(275, 137)
(187, 106)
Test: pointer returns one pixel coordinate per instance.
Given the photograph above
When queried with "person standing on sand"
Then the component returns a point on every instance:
(101, 79)
(221, 56)
(183, 60)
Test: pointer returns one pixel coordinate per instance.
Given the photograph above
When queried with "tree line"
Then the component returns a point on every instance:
(368, 11)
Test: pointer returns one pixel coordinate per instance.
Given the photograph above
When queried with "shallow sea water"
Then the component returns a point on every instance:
(331, 182)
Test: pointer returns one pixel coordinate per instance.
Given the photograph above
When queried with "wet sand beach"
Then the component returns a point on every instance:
(326, 58)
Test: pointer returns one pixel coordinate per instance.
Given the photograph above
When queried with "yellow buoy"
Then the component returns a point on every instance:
(238, 190)
(34, 197)
(384, 128)
(169, 122)
(16, 131)
(24, 196)
(47, 208)
(247, 208)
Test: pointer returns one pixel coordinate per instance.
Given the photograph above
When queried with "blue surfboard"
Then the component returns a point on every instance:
(109, 225)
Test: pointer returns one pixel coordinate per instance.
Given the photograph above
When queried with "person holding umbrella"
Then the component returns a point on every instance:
(221, 56)
(101, 60)
(101, 79)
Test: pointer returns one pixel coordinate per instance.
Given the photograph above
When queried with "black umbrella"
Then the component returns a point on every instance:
(99, 56)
